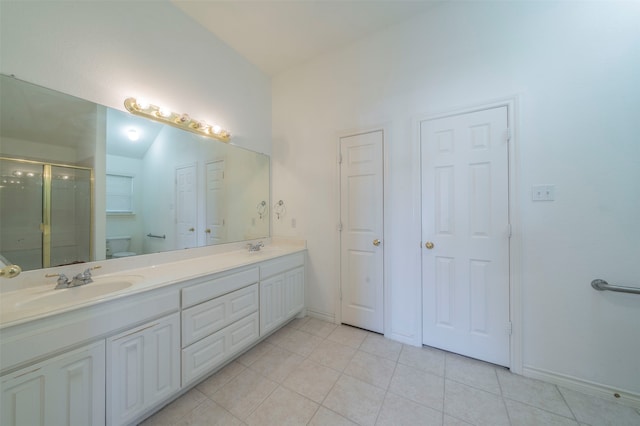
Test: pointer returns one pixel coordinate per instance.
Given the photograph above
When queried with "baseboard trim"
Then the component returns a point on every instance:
(321, 315)
(596, 389)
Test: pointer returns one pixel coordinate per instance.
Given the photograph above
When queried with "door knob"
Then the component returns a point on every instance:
(376, 242)
(429, 245)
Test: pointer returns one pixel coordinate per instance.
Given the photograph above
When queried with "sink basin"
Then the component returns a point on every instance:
(101, 286)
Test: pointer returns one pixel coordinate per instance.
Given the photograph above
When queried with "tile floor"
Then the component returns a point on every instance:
(316, 373)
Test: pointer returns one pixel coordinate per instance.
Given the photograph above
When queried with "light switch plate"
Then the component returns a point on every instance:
(543, 192)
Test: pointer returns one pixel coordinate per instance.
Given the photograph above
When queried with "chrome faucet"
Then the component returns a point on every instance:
(80, 279)
(256, 246)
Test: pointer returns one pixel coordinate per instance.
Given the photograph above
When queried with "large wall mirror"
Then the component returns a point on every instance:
(82, 182)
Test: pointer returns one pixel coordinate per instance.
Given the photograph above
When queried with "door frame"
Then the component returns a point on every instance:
(386, 306)
(515, 242)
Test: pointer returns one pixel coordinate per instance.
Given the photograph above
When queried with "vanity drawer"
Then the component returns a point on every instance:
(281, 264)
(202, 357)
(201, 320)
(209, 289)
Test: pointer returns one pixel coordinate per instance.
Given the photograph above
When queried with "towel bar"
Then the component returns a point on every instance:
(602, 285)
(156, 236)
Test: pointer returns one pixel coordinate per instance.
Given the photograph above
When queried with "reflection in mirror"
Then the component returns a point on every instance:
(164, 188)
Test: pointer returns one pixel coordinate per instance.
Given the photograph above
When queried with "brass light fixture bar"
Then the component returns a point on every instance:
(181, 121)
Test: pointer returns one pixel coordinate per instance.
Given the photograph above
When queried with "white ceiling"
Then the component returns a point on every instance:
(277, 35)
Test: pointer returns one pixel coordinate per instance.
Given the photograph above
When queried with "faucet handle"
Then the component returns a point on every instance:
(62, 282)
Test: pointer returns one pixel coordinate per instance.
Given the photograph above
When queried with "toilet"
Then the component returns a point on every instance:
(117, 247)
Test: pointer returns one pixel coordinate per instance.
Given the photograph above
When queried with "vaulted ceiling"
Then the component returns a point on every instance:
(277, 35)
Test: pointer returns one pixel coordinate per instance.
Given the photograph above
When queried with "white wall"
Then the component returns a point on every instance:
(574, 68)
(109, 50)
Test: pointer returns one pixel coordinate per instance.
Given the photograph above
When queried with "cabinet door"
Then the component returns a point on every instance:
(77, 391)
(271, 303)
(162, 360)
(143, 368)
(293, 291)
(64, 390)
(24, 397)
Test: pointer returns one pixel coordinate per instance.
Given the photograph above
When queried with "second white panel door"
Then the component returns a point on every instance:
(186, 205)
(361, 245)
(465, 226)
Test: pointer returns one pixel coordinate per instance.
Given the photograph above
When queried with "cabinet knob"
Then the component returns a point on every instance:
(191, 229)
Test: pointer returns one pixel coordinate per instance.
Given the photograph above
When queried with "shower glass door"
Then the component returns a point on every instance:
(45, 214)
(70, 231)
(21, 213)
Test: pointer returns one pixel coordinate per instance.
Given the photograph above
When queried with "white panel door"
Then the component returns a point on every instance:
(215, 211)
(186, 206)
(465, 234)
(361, 216)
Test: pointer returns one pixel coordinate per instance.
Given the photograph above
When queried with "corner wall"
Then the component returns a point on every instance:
(574, 68)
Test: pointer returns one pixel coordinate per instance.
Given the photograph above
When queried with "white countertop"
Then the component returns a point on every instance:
(38, 301)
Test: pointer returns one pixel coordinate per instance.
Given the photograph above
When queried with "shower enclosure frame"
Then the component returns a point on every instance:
(45, 225)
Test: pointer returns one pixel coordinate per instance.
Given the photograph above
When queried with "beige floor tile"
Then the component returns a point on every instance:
(452, 421)
(298, 322)
(356, 400)
(533, 392)
(418, 386)
(474, 405)
(283, 408)
(347, 335)
(371, 369)
(318, 327)
(380, 346)
(326, 417)
(597, 411)
(424, 358)
(526, 415)
(173, 412)
(277, 364)
(333, 355)
(312, 380)
(397, 411)
(209, 414)
(253, 354)
(244, 393)
(215, 382)
(299, 342)
(279, 335)
(478, 374)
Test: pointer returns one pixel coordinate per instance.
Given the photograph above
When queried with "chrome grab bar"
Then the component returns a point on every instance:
(156, 236)
(602, 285)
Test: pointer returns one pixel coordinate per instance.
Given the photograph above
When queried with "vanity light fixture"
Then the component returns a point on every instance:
(181, 121)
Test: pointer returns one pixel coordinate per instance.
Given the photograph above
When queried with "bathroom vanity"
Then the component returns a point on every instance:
(115, 353)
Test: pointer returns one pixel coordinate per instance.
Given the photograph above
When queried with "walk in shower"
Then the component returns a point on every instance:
(45, 213)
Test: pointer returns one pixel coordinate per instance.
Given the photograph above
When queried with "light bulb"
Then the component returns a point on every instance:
(142, 104)
(164, 112)
(216, 129)
(133, 135)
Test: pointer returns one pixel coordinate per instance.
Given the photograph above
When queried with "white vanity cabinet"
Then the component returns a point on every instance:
(143, 368)
(67, 389)
(219, 319)
(281, 291)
